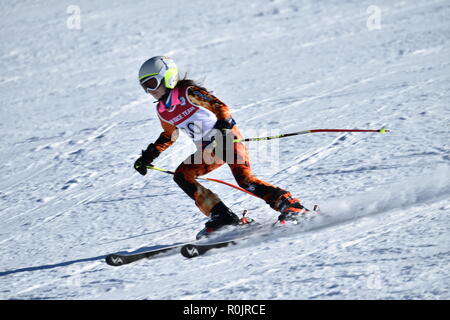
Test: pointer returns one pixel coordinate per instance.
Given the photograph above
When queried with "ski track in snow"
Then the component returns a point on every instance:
(69, 196)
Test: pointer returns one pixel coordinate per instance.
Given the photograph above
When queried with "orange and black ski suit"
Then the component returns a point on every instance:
(176, 113)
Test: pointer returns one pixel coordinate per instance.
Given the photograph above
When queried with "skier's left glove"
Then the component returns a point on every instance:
(225, 126)
(147, 157)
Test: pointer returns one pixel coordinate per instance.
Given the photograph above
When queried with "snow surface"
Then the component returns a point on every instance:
(74, 119)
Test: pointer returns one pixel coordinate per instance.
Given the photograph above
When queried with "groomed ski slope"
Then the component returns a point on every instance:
(73, 119)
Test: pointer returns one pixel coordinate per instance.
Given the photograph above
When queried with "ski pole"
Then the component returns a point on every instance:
(200, 178)
(284, 135)
(382, 130)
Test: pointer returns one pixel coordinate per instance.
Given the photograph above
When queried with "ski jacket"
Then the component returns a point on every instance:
(191, 109)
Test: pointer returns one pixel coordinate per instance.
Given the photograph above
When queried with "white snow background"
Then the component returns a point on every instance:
(73, 119)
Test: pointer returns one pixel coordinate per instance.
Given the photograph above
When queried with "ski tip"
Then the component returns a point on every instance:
(114, 260)
(384, 130)
(190, 251)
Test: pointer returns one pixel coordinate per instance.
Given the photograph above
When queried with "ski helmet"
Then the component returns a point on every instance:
(159, 68)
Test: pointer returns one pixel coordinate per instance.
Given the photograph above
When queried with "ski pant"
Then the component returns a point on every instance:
(205, 160)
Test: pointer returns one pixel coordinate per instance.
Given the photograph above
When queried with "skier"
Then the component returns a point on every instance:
(184, 105)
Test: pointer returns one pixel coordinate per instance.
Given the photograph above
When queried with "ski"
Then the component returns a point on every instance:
(195, 249)
(192, 250)
(117, 259)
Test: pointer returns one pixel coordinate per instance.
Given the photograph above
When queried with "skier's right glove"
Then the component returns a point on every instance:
(146, 159)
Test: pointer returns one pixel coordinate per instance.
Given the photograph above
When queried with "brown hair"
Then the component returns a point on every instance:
(185, 82)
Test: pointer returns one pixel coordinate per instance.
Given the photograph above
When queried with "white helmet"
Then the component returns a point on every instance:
(159, 68)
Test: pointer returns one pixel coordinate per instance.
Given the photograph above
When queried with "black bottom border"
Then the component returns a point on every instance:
(222, 309)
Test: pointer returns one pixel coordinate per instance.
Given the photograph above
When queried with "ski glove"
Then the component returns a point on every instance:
(147, 157)
(223, 129)
(224, 125)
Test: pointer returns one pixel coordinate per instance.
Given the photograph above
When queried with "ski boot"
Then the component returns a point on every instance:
(290, 208)
(220, 216)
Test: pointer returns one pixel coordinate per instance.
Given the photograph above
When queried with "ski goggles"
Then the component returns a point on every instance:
(152, 82)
